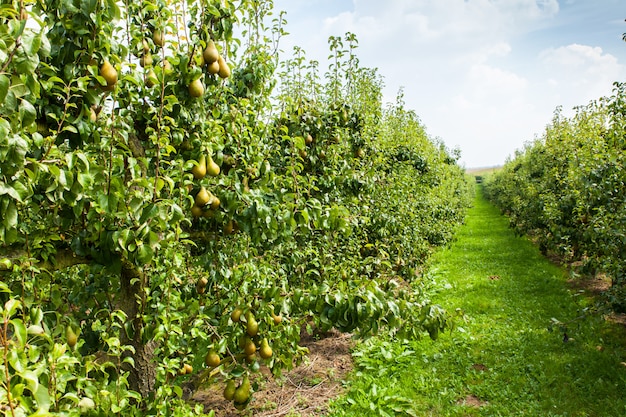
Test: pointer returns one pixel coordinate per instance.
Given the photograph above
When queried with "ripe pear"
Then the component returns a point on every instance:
(212, 359)
(93, 115)
(242, 392)
(213, 67)
(210, 53)
(212, 168)
(229, 390)
(203, 197)
(108, 73)
(224, 71)
(236, 314)
(265, 351)
(249, 347)
(252, 327)
(186, 369)
(167, 67)
(309, 139)
(277, 318)
(215, 202)
(196, 88)
(158, 38)
(71, 337)
(151, 79)
(229, 227)
(199, 170)
(196, 211)
(146, 60)
(146, 46)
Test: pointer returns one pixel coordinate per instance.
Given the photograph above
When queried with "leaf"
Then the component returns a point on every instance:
(32, 380)
(11, 306)
(12, 192)
(4, 87)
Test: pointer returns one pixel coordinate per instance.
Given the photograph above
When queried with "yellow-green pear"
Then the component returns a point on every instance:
(210, 53)
(265, 351)
(242, 393)
(224, 71)
(203, 197)
(199, 170)
(108, 73)
(213, 68)
(70, 336)
(229, 390)
(196, 88)
(212, 168)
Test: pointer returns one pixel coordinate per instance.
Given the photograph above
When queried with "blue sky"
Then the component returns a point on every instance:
(483, 75)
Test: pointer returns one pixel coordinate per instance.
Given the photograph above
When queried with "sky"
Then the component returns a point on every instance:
(484, 76)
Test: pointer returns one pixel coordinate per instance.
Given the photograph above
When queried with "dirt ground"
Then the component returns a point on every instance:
(304, 391)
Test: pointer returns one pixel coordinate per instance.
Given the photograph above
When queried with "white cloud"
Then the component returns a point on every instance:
(474, 70)
(585, 72)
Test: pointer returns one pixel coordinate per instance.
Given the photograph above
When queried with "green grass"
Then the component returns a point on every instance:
(506, 357)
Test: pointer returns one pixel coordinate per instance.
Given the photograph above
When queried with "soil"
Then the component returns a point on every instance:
(304, 391)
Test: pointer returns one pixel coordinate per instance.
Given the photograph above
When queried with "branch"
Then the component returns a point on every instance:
(63, 259)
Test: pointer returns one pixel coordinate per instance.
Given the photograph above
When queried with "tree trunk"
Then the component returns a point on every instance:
(142, 376)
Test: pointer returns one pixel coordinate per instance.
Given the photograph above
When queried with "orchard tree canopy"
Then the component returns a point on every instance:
(178, 204)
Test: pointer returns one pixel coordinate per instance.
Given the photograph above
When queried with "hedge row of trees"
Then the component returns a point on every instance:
(178, 204)
(567, 189)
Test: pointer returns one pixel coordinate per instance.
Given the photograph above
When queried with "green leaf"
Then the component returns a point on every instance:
(12, 192)
(11, 306)
(4, 87)
(19, 331)
(32, 380)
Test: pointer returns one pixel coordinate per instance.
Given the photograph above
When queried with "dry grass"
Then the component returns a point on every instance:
(305, 391)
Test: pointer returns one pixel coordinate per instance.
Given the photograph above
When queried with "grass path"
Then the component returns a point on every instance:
(505, 358)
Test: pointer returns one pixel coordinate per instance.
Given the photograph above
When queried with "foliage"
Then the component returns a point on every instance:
(158, 215)
(567, 189)
(506, 355)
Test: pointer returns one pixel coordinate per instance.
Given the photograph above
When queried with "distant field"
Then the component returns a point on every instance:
(482, 170)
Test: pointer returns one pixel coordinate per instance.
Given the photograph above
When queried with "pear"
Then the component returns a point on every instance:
(265, 351)
(215, 202)
(229, 390)
(236, 314)
(71, 337)
(146, 46)
(213, 68)
(242, 392)
(186, 369)
(146, 60)
(196, 211)
(212, 359)
(229, 227)
(199, 170)
(202, 282)
(212, 168)
(210, 53)
(93, 115)
(249, 347)
(309, 139)
(252, 327)
(108, 73)
(224, 71)
(151, 79)
(158, 38)
(203, 197)
(196, 88)
(167, 67)
(277, 318)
